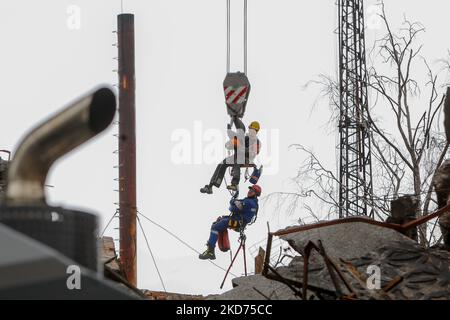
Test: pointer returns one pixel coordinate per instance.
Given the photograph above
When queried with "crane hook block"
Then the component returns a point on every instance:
(237, 89)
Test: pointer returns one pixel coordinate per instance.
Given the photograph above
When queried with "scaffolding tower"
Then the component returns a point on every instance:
(355, 173)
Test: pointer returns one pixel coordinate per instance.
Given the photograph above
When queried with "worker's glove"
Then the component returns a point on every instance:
(238, 204)
(228, 126)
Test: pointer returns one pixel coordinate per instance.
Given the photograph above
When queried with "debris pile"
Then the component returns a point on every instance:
(351, 260)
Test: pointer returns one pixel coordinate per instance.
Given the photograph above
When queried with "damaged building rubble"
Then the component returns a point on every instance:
(334, 263)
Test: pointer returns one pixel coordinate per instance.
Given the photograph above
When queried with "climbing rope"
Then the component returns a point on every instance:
(241, 240)
(180, 240)
(166, 230)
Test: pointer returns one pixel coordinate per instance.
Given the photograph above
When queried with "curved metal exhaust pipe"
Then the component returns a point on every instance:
(71, 127)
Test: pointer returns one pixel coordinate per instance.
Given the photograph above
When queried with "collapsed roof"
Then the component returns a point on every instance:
(341, 261)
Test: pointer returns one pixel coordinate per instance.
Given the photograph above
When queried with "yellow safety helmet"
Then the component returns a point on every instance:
(255, 126)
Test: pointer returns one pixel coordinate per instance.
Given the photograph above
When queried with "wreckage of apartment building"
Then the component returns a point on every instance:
(354, 258)
(358, 258)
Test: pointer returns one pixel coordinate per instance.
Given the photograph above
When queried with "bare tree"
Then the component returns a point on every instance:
(407, 142)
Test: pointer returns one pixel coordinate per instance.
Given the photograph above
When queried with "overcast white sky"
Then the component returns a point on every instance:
(180, 66)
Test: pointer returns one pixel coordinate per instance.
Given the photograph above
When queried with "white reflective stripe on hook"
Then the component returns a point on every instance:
(235, 95)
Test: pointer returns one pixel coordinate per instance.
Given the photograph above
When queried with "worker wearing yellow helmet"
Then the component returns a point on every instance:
(235, 141)
(255, 126)
(252, 143)
(246, 147)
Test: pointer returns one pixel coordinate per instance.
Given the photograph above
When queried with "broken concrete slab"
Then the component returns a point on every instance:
(404, 269)
(346, 240)
(407, 272)
(425, 273)
(244, 289)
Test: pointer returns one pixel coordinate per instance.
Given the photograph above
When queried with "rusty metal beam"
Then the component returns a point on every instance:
(397, 227)
(393, 283)
(127, 146)
(331, 267)
(362, 280)
(280, 278)
(317, 290)
(268, 251)
(426, 218)
(335, 222)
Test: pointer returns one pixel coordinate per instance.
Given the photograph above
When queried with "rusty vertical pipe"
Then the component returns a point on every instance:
(127, 146)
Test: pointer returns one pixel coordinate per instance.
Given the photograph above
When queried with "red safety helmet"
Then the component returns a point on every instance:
(256, 188)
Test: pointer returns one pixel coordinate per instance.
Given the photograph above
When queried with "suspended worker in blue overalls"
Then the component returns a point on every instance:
(243, 212)
(246, 147)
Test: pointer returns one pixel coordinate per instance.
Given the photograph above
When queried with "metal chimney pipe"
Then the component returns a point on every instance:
(66, 130)
(127, 146)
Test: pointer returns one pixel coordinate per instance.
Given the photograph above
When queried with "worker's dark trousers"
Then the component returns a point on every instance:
(221, 168)
(231, 161)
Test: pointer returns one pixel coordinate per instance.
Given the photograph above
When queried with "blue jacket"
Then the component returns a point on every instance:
(247, 212)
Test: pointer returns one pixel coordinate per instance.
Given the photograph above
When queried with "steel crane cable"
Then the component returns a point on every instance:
(245, 36)
(229, 35)
(151, 253)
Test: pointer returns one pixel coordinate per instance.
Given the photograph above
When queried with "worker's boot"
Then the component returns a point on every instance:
(206, 189)
(208, 254)
(232, 187)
